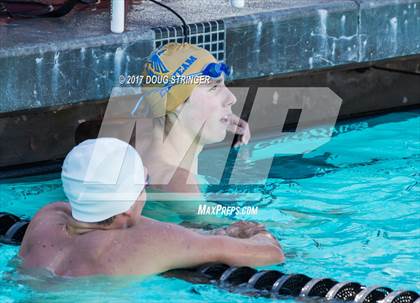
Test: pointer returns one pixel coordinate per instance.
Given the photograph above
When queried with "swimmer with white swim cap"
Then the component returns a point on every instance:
(101, 230)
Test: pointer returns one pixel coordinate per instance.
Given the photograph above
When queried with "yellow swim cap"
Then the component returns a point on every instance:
(169, 60)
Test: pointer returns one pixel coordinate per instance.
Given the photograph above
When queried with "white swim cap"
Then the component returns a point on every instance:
(102, 178)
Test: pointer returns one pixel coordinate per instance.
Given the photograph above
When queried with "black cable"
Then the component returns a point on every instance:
(184, 26)
(394, 70)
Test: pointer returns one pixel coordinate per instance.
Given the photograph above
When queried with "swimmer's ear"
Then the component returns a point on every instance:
(179, 108)
(125, 216)
(128, 213)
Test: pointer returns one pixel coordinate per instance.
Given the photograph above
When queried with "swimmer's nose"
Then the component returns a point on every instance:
(230, 97)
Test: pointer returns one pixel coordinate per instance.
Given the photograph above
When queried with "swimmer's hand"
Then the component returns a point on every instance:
(267, 248)
(240, 127)
(248, 230)
(266, 237)
(242, 229)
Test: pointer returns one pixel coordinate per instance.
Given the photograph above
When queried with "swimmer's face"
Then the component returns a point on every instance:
(209, 106)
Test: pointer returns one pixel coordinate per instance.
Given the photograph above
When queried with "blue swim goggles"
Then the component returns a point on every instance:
(213, 70)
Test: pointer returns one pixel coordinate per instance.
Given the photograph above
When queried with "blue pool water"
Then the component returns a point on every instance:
(348, 210)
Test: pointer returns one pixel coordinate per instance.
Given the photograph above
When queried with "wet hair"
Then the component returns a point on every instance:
(106, 222)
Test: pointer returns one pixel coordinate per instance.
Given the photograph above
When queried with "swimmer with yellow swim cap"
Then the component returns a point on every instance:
(186, 116)
(101, 230)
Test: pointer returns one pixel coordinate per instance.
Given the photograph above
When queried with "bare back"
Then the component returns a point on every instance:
(148, 247)
(48, 244)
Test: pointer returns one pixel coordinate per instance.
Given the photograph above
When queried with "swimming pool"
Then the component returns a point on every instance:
(348, 210)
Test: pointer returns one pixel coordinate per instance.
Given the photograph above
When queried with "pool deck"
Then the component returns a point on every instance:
(53, 62)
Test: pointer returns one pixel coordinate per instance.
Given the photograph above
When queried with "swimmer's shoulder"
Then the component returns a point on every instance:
(58, 209)
(48, 217)
(46, 225)
(56, 206)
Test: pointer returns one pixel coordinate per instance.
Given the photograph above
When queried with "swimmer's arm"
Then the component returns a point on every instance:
(183, 248)
(247, 252)
(231, 251)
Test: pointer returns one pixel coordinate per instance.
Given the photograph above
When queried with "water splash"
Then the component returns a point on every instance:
(363, 49)
(259, 30)
(39, 83)
(311, 62)
(55, 72)
(258, 42)
(343, 24)
(394, 33)
(323, 15)
(82, 54)
(118, 60)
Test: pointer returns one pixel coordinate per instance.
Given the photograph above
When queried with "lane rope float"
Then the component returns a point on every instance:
(12, 228)
(276, 284)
